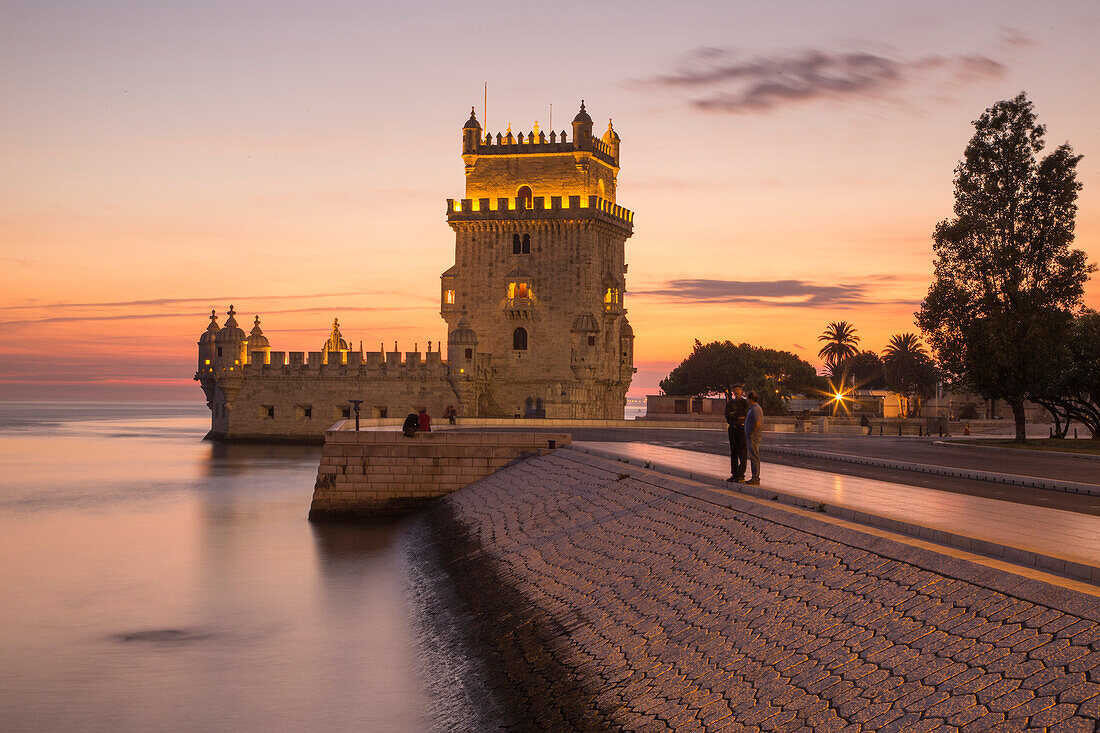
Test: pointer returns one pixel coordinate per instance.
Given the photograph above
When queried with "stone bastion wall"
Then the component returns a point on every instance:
(377, 474)
(609, 597)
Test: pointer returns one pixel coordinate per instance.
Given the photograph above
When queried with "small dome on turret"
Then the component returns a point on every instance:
(256, 339)
(472, 123)
(585, 323)
(626, 331)
(610, 135)
(211, 332)
(582, 116)
(335, 340)
(230, 332)
(463, 333)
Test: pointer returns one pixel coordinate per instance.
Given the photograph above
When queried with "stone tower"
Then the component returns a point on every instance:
(536, 292)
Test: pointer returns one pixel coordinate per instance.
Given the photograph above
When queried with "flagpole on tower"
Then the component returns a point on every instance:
(484, 108)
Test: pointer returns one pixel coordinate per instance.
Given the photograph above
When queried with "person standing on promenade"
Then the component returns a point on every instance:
(736, 409)
(754, 429)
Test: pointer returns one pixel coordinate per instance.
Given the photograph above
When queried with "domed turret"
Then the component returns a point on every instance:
(463, 333)
(256, 339)
(611, 139)
(471, 134)
(582, 115)
(258, 342)
(472, 123)
(230, 344)
(582, 128)
(207, 344)
(230, 332)
(462, 348)
(211, 332)
(335, 341)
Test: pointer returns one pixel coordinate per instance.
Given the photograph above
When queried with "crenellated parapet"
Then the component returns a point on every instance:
(539, 207)
(375, 364)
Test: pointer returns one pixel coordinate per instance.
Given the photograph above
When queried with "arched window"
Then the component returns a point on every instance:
(469, 354)
(524, 194)
(515, 244)
(519, 339)
(526, 244)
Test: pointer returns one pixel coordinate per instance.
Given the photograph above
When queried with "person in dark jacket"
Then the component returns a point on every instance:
(736, 410)
(754, 430)
(411, 425)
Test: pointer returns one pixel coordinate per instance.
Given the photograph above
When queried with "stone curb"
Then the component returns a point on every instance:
(1007, 553)
(1062, 599)
(1017, 451)
(1072, 487)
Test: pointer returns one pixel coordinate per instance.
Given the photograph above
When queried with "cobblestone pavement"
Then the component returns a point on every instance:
(611, 603)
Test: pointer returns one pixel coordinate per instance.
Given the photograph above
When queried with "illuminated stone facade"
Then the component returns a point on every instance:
(533, 305)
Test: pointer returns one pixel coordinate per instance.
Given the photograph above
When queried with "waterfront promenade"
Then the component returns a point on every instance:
(611, 596)
(1035, 536)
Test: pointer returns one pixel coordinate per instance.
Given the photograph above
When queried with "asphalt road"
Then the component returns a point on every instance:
(914, 450)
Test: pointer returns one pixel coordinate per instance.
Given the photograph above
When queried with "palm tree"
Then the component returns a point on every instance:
(840, 343)
(908, 371)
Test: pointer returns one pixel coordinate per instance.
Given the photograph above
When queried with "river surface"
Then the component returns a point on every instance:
(150, 581)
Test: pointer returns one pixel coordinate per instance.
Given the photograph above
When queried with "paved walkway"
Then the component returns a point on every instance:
(1051, 539)
(611, 598)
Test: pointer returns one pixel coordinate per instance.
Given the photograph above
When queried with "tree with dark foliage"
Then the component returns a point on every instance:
(864, 370)
(910, 374)
(716, 367)
(1075, 392)
(1006, 281)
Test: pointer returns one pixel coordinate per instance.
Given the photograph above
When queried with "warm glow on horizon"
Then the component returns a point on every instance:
(160, 161)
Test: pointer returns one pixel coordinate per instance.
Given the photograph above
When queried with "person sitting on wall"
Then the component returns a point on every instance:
(412, 424)
(424, 422)
(451, 414)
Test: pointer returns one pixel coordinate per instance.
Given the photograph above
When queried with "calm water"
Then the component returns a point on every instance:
(155, 582)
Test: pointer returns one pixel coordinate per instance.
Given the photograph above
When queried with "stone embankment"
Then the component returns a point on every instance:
(378, 474)
(609, 597)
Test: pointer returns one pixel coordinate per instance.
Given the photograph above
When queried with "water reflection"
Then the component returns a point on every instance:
(153, 581)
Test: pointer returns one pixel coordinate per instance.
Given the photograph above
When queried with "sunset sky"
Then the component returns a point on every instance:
(786, 163)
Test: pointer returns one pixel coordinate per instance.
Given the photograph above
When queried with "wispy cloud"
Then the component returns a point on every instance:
(780, 293)
(178, 301)
(719, 80)
(332, 309)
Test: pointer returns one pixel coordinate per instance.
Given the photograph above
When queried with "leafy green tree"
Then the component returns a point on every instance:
(1074, 394)
(716, 367)
(864, 370)
(1006, 280)
(840, 343)
(909, 372)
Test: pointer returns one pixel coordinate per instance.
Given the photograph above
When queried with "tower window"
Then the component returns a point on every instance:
(524, 194)
(519, 339)
(526, 244)
(219, 351)
(518, 290)
(591, 340)
(516, 246)
(469, 354)
(449, 297)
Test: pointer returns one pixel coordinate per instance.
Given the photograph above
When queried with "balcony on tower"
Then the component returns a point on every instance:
(524, 208)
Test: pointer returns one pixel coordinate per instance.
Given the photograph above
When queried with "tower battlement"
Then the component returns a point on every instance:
(540, 144)
(536, 207)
